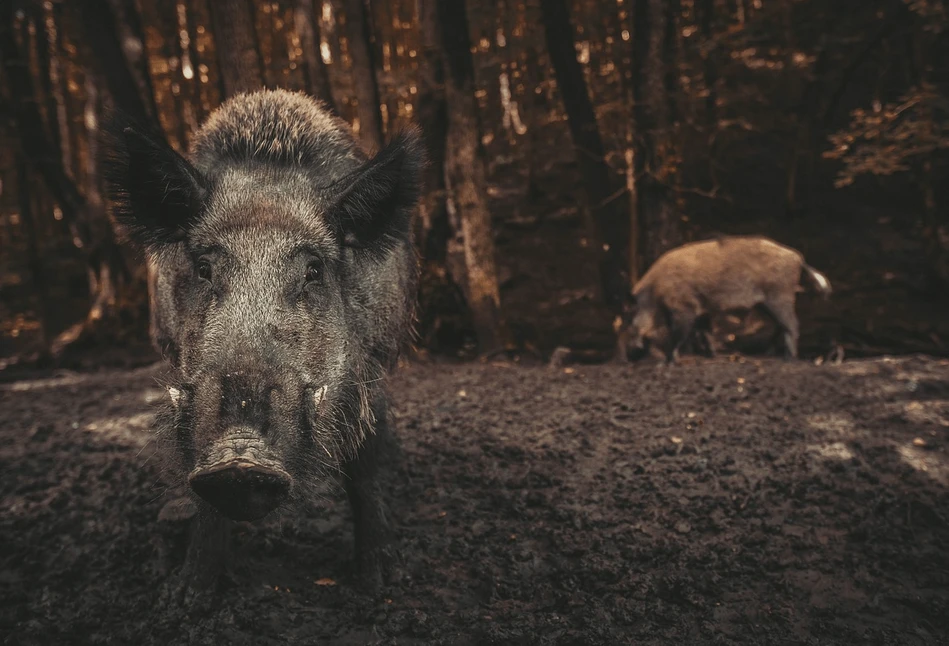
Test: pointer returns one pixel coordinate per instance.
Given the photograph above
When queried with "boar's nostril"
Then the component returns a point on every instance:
(241, 489)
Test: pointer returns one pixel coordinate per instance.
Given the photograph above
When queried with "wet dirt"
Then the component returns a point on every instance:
(722, 501)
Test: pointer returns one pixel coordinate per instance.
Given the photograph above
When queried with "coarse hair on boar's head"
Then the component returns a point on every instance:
(284, 290)
(688, 284)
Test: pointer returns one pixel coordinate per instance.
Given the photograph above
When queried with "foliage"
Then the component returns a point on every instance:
(890, 138)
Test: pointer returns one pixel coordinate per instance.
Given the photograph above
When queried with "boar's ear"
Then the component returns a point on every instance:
(157, 195)
(374, 210)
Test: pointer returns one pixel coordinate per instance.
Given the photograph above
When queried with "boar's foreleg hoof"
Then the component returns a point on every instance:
(376, 554)
(205, 563)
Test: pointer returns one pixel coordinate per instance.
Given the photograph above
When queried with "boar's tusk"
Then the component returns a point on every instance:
(319, 395)
(175, 395)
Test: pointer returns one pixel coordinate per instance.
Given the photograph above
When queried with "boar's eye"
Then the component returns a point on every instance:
(314, 273)
(204, 269)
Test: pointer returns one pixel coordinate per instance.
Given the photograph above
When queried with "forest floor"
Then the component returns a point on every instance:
(722, 501)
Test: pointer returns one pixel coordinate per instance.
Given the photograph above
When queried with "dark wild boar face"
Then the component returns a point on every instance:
(274, 263)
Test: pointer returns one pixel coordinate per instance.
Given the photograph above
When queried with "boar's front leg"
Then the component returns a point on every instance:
(681, 324)
(372, 527)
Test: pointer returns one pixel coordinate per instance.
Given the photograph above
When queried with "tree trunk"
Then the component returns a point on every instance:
(609, 215)
(307, 28)
(34, 258)
(129, 22)
(707, 26)
(433, 112)
(359, 33)
(236, 40)
(121, 65)
(659, 221)
(103, 36)
(466, 178)
(92, 231)
(440, 290)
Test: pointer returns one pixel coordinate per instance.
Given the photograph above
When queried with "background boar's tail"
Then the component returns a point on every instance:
(817, 279)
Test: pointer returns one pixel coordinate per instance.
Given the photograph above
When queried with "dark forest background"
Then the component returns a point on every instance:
(573, 141)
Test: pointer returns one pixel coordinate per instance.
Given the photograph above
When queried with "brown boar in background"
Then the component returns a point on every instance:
(704, 279)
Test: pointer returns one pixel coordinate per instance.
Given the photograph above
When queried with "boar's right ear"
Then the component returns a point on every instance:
(374, 210)
(156, 194)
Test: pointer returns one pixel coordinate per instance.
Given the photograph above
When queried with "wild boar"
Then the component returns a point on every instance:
(284, 286)
(688, 284)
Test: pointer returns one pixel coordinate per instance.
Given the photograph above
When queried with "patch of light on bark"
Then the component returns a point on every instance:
(511, 118)
(187, 69)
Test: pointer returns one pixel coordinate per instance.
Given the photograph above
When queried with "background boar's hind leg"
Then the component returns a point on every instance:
(784, 315)
(373, 531)
(681, 325)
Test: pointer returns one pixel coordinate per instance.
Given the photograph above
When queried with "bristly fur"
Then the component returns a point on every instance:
(388, 185)
(277, 128)
(156, 194)
(273, 186)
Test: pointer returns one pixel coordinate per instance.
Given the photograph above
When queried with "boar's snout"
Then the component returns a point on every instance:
(242, 490)
(241, 483)
(637, 346)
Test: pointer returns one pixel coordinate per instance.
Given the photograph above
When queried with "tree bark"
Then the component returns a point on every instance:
(365, 86)
(92, 231)
(236, 41)
(37, 269)
(609, 215)
(707, 26)
(466, 178)
(433, 231)
(433, 112)
(307, 28)
(129, 85)
(103, 36)
(659, 220)
(129, 22)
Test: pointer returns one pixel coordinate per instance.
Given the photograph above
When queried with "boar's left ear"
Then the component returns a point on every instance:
(157, 195)
(374, 211)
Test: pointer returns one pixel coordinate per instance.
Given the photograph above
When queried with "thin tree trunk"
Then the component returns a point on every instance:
(121, 64)
(103, 37)
(236, 41)
(707, 26)
(307, 28)
(609, 215)
(129, 22)
(466, 177)
(365, 86)
(660, 223)
(58, 121)
(433, 112)
(433, 229)
(34, 258)
(47, 62)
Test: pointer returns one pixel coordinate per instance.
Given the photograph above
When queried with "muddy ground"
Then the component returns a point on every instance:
(720, 502)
